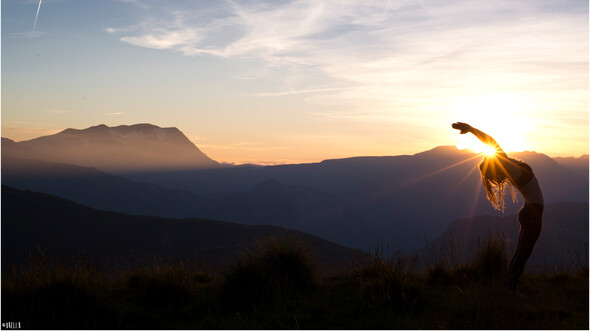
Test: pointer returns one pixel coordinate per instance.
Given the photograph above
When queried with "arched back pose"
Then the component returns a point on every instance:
(497, 173)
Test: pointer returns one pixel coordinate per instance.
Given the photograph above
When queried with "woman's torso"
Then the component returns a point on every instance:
(523, 178)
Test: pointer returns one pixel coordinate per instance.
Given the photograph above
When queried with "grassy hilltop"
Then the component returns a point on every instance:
(278, 285)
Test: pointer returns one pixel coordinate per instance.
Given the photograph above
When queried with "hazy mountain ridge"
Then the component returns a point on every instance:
(98, 189)
(294, 207)
(351, 179)
(33, 221)
(124, 147)
(405, 197)
(271, 202)
(359, 202)
(579, 164)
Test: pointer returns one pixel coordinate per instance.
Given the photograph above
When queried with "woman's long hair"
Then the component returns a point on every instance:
(496, 181)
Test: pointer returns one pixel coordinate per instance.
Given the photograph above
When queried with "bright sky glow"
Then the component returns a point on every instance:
(302, 81)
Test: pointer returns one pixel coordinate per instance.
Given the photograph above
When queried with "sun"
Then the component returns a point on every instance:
(499, 115)
(488, 150)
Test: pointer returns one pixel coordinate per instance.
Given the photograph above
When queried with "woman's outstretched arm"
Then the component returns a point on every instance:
(482, 136)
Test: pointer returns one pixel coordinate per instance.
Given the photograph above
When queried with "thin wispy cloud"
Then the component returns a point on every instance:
(243, 145)
(57, 111)
(37, 15)
(294, 92)
(138, 3)
(164, 38)
(244, 78)
(29, 34)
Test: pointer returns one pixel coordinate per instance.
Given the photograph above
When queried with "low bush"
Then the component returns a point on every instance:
(384, 285)
(491, 259)
(275, 269)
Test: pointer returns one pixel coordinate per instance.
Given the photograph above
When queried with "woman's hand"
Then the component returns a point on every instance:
(463, 127)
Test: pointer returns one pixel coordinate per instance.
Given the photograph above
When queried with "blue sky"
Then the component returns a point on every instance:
(302, 81)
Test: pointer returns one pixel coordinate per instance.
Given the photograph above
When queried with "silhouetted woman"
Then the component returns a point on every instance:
(498, 171)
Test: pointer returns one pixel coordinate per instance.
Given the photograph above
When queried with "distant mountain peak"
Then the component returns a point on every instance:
(120, 148)
(149, 132)
(102, 128)
(444, 150)
(93, 129)
(142, 127)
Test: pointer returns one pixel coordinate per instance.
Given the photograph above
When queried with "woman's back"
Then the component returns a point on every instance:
(522, 177)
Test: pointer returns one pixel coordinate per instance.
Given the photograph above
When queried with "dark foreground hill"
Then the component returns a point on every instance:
(33, 221)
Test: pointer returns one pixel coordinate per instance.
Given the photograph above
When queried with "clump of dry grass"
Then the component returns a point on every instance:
(275, 269)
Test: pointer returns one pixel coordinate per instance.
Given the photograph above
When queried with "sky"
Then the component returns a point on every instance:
(302, 81)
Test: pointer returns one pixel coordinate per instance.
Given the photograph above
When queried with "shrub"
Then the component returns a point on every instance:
(384, 286)
(275, 269)
(164, 282)
(439, 273)
(145, 289)
(491, 258)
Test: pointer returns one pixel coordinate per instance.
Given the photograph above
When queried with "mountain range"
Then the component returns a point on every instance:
(40, 223)
(360, 202)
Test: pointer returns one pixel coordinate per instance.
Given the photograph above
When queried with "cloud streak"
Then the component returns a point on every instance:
(295, 92)
(37, 15)
(57, 111)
